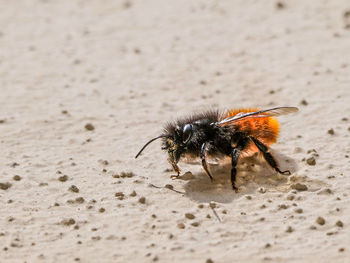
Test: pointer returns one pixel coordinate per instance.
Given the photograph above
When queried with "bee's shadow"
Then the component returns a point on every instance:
(253, 174)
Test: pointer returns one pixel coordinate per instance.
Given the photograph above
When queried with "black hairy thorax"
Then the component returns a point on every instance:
(204, 129)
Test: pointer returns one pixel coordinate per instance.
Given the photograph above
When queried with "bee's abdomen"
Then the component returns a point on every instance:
(264, 129)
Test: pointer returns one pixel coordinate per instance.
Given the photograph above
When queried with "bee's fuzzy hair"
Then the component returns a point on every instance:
(170, 127)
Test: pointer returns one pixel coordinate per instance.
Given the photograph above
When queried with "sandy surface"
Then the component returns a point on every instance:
(127, 68)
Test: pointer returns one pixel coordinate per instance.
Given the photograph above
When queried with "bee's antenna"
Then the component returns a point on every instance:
(160, 136)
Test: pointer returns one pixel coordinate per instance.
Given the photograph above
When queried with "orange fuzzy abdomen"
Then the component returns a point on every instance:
(264, 129)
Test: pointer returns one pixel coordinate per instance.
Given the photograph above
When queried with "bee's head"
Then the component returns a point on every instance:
(177, 140)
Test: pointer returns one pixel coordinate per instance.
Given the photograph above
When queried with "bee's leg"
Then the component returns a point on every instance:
(175, 168)
(268, 156)
(234, 159)
(204, 149)
(236, 151)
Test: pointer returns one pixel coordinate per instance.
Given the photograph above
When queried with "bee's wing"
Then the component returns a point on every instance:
(259, 114)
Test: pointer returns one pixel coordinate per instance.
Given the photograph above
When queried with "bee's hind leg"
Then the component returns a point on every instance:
(204, 149)
(268, 156)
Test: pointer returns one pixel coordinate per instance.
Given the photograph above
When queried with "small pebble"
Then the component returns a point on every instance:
(331, 131)
(341, 249)
(5, 186)
(79, 200)
(89, 127)
(326, 191)
(282, 206)
(320, 221)
(311, 161)
(68, 222)
(126, 174)
(73, 189)
(181, 225)
(142, 200)
(298, 210)
(289, 229)
(189, 216)
(169, 186)
(195, 224)
(290, 197)
(304, 102)
(17, 178)
(299, 187)
(212, 205)
(280, 5)
(339, 223)
(209, 260)
(133, 194)
(200, 206)
(102, 210)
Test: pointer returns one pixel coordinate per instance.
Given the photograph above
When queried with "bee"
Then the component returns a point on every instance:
(234, 133)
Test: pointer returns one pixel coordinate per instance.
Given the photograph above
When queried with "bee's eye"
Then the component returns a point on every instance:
(187, 133)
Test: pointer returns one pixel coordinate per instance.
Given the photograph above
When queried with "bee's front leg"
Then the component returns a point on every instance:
(175, 168)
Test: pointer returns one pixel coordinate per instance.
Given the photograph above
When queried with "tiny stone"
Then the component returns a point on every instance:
(68, 222)
(73, 189)
(341, 249)
(331, 131)
(267, 245)
(200, 206)
(17, 178)
(195, 224)
(280, 5)
(313, 227)
(311, 161)
(290, 197)
(304, 102)
(189, 216)
(5, 186)
(119, 194)
(142, 200)
(169, 186)
(320, 221)
(289, 229)
(133, 194)
(282, 206)
(212, 205)
(339, 223)
(79, 200)
(248, 197)
(326, 191)
(209, 260)
(89, 127)
(299, 187)
(126, 174)
(298, 210)
(181, 225)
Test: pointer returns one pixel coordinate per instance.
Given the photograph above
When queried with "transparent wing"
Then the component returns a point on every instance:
(259, 114)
